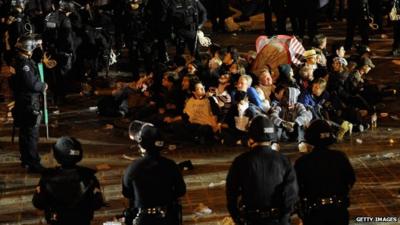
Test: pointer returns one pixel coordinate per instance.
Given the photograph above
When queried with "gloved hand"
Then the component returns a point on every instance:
(203, 40)
(289, 126)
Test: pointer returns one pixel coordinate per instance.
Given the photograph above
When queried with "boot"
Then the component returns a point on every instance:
(345, 127)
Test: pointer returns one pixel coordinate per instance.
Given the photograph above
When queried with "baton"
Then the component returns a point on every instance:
(46, 115)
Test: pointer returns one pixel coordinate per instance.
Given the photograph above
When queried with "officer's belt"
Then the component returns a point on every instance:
(319, 202)
(262, 213)
(158, 211)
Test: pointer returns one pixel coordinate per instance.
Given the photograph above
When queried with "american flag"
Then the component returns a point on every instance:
(296, 50)
(290, 43)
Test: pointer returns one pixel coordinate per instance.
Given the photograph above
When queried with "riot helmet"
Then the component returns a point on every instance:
(66, 5)
(27, 43)
(19, 3)
(147, 136)
(262, 129)
(134, 4)
(319, 133)
(67, 151)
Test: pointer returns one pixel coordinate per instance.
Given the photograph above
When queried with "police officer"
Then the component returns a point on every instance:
(325, 178)
(59, 44)
(358, 15)
(138, 35)
(27, 87)
(261, 185)
(187, 17)
(152, 183)
(18, 24)
(68, 194)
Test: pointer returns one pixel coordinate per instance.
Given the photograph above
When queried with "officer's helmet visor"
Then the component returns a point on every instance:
(135, 130)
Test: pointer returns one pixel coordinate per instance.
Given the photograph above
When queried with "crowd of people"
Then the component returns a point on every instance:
(213, 100)
(207, 98)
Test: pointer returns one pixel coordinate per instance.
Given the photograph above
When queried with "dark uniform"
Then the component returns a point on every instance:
(263, 179)
(58, 42)
(138, 36)
(358, 13)
(153, 184)
(187, 17)
(27, 87)
(325, 178)
(68, 194)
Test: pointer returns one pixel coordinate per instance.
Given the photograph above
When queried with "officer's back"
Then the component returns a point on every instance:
(152, 183)
(261, 184)
(325, 178)
(68, 194)
(260, 171)
(324, 172)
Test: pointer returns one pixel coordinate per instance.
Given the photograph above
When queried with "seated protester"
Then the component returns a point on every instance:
(290, 116)
(244, 84)
(221, 96)
(338, 51)
(286, 76)
(357, 87)
(337, 75)
(265, 87)
(166, 102)
(250, 57)
(321, 72)
(124, 98)
(213, 72)
(362, 51)
(319, 45)
(306, 76)
(179, 65)
(199, 121)
(234, 128)
(314, 99)
(236, 70)
(323, 107)
(193, 68)
(311, 58)
(231, 56)
(214, 50)
(185, 92)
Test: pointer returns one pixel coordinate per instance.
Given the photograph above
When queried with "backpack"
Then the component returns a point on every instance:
(184, 13)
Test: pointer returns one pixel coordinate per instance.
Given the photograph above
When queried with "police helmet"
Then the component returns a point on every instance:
(27, 43)
(67, 151)
(319, 133)
(146, 135)
(262, 129)
(134, 4)
(66, 5)
(18, 3)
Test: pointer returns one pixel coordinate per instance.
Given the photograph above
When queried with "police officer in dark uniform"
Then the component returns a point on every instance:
(358, 15)
(187, 17)
(325, 178)
(68, 194)
(18, 24)
(59, 44)
(138, 36)
(261, 185)
(27, 87)
(152, 183)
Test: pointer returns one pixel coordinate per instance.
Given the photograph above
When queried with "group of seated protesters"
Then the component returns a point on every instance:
(213, 100)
